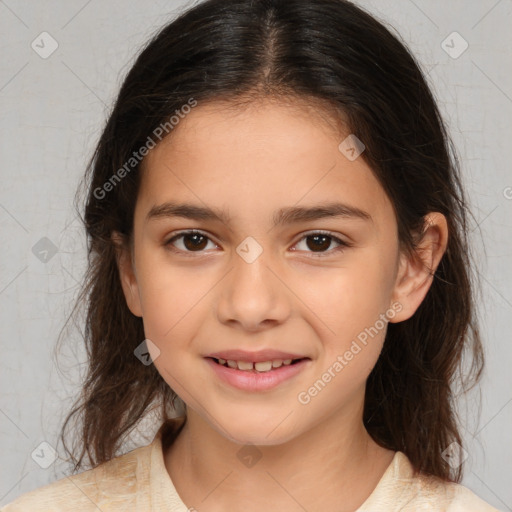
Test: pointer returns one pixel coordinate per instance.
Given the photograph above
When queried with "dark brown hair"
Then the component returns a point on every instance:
(327, 51)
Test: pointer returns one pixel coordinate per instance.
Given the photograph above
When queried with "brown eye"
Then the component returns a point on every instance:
(189, 241)
(319, 243)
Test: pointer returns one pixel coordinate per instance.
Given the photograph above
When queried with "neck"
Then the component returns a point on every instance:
(333, 466)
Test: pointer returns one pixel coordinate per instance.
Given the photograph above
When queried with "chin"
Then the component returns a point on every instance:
(258, 430)
(258, 438)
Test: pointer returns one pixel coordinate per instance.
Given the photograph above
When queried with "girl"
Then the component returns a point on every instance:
(278, 261)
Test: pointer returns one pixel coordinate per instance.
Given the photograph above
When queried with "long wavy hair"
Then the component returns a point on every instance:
(335, 54)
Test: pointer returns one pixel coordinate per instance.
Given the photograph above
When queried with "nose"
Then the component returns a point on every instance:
(252, 296)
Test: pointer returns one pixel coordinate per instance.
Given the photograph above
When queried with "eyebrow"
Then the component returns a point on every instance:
(287, 215)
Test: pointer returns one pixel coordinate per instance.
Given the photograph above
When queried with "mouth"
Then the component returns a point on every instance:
(257, 376)
(256, 367)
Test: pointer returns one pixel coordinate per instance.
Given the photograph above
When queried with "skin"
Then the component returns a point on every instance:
(251, 162)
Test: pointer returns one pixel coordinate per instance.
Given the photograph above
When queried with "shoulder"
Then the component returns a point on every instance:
(112, 486)
(433, 493)
(436, 494)
(401, 489)
(464, 500)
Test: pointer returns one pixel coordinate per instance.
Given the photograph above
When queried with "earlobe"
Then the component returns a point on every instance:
(416, 272)
(127, 274)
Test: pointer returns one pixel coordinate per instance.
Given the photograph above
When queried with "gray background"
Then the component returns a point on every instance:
(51, 114)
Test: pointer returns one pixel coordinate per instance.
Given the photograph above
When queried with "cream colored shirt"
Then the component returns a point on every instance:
(138, 481)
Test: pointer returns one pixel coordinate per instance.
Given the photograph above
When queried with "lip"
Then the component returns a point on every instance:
(254, 357)
(254, 380)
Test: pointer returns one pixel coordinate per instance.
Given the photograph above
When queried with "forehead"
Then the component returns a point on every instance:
(266, 154)
(249, 131)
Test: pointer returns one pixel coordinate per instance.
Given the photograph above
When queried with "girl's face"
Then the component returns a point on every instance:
(296, 252)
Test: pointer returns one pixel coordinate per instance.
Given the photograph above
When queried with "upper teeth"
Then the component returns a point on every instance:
(263, 366)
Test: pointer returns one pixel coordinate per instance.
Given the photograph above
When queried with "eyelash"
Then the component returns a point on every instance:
(342, 244)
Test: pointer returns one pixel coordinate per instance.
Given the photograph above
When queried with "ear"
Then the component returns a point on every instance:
(128, 278)
(416, 272)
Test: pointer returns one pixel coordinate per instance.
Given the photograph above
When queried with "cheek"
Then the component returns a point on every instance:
(349, 298)
(168, 294)
(349, 306)
(172, 304)
(349, 315)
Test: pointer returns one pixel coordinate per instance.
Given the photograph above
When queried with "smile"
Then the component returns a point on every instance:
(262, 366)
(260, 376)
